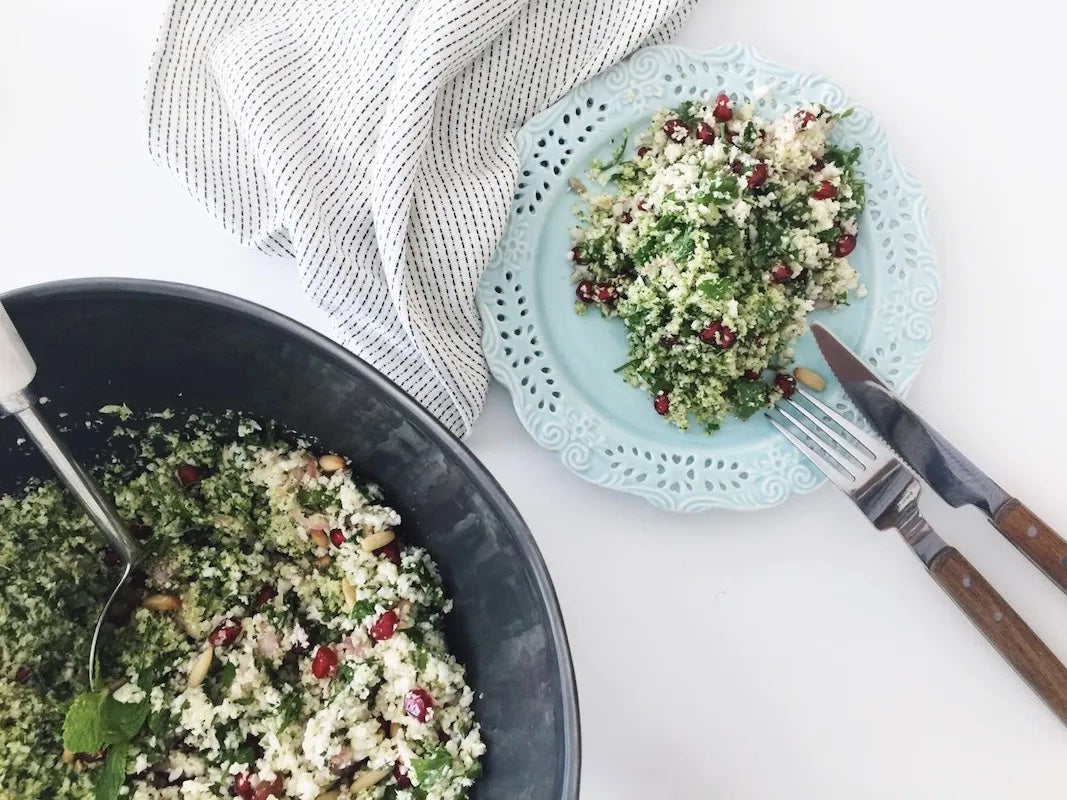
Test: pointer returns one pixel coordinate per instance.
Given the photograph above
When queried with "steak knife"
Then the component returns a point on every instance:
(948, 471)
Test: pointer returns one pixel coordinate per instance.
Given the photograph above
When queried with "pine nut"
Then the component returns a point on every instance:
(367, 779)
(331, 795)
(331, 463)
(348, 591)
(162, 602)
(403, 613)
(200, 667)
(577, 186)
(68, 756)
(813, 380)
(319, 538)
(322, 562)
(376, 540)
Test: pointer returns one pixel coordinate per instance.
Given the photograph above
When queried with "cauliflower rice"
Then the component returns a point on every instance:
(283, 643)
(717, 238)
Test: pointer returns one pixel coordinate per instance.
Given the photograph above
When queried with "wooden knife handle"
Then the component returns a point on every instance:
(1036, 540)
(1005, 629)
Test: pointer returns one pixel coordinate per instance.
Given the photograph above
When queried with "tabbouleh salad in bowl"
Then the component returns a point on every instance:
(712, 243)
(281, 641)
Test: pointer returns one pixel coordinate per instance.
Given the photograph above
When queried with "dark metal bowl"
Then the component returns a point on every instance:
(157, 345)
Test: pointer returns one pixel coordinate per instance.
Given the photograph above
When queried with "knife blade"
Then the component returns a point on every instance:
(940, 463)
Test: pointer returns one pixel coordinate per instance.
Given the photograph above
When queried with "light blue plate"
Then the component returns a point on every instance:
(558, 365)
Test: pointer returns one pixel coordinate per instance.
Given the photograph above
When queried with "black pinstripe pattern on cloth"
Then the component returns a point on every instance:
(373, 140)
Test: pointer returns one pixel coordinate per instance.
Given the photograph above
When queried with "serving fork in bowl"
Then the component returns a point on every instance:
(887, 492)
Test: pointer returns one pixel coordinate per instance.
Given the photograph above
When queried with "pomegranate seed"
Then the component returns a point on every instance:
(188, 475)
(576, 255)
(337, 537)
(752, 374)
(669, 341)
(324, 663)
(266, 789)
(825, 191)
(662, 403)
(626, 218)
(706, 133)
(844, 245)
(605, 292)
(242, 786)
(758, 176)
(804, 119)
(225, 634)
(719, 335)
(111, 558)
(817, 165)
(781, 272)
(676, 130)
(418, 703)
(729, 135)
(722, 112)
(641, 151)
(401, 777)
(642, 205)
(22, 674)
(736, 168)
(264, 596)
(390, 551)
(786, 384)
(384, 627)
(584, 291)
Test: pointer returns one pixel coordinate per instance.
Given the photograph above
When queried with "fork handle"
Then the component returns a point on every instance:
(1004, 628)
(1034, 538)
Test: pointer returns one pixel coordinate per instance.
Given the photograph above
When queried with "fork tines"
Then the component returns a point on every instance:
(839, 448)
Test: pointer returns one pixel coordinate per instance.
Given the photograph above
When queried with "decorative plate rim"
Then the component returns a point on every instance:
(575, 432)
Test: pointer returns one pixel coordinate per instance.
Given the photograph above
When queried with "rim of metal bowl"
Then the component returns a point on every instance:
(462, 456)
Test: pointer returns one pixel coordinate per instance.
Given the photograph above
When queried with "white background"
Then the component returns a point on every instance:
(790, 653)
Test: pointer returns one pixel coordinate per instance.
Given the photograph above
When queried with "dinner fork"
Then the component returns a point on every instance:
(887, 492)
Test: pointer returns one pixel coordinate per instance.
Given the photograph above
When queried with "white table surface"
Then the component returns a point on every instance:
(790, 653)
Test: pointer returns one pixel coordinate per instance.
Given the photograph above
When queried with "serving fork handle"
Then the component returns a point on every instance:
(1003, 627)
(1034, 538)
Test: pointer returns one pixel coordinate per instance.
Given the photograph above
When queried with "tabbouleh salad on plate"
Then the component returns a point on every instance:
(281, 641)
(715, 240)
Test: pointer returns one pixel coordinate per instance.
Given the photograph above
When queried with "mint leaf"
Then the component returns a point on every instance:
(121, 721)
(362, 609)
(159, 722)
(113, 775)
(289, 709)
(749, 397)
(245, 754)
(83, 731)
(226, 677)
(716, 289)
(433, 768)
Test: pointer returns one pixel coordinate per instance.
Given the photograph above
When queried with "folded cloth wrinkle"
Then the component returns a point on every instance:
(373, 141)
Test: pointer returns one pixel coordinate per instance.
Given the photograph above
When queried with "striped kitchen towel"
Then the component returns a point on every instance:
(373, 140)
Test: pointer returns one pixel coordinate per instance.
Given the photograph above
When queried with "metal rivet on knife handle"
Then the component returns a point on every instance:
(1003, 627)
(1034, 538)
